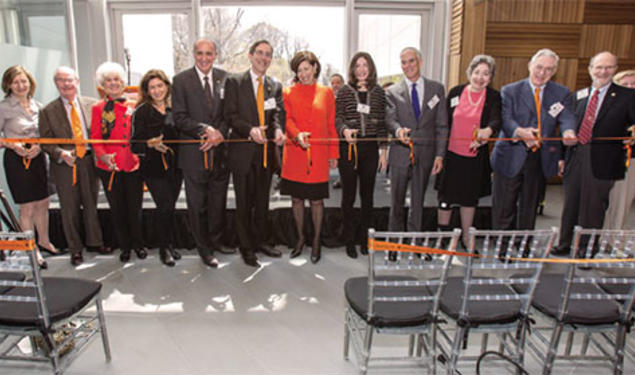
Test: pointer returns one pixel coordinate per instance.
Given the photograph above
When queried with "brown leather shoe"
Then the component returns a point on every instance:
(77, 259)
(210, 261)
(103, 250)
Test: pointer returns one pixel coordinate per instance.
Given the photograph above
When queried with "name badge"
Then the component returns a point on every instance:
(581, 94)
(454, 102)
(433, 102)
(222, 93)
(270, 104)
(363, 108)
(555, 109)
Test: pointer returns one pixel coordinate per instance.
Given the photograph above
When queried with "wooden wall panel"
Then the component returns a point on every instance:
(509, 69)
(455, 75)
(548, 11)
(456, 27)
(618, 39)
(567, 73)
(524, 39)
(609, 12)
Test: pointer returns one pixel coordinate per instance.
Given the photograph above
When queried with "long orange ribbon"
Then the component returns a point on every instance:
(309, 162)
(112, 177)
(412, 152)
(629, 152)
(74, 174)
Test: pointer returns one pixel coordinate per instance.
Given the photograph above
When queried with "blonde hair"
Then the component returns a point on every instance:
(10, 74)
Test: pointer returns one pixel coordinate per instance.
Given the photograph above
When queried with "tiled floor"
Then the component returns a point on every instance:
(284, 318)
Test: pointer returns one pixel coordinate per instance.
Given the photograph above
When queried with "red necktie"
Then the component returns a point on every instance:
(586, 129)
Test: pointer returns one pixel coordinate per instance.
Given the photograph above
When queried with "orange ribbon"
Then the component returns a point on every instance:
(208, 164)
(112, 177)
(26, 162)
(165, 164)
(18, 245)
(264, 148)
(309, 162)
(412, 152)
(629, 151)
(74, 174)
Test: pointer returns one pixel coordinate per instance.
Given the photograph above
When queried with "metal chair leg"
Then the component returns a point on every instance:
(102, 328)
(368, 340)
(553, 349)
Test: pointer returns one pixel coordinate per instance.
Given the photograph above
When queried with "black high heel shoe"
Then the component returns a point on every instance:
(351, 251)
(316, 252)
(166, 257)
(175, 254)
(298, 248)
(52, 251)
(124, 257)
(141, 253)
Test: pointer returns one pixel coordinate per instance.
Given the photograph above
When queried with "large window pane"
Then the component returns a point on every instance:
(384, 36)
(289, 29)
(156, 41)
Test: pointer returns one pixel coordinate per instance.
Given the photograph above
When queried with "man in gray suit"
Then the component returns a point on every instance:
(72, 167)
(417, 115)
(197, 108)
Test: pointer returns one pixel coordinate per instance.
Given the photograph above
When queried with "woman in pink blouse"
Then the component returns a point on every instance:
(474, 112)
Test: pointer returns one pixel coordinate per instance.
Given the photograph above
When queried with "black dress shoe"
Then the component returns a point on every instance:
(217, 247)
(363, 249)
(210, 261)
(141, 253)
(99, 249)
(77, 259)
(269, 251)
(166, 257)
(561, 250)
(316, 252)
(175, 254)
(298, 249)
(43, 264)
(124, 257)
(250, 259)
(351, 251)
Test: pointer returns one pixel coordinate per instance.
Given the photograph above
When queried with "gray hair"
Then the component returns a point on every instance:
(65, 69)
(207, 40)
(592, 59)
(109, 68)
(481, 59)
(545, 52)
(412, 49)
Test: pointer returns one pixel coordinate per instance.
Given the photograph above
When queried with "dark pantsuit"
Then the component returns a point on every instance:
(125, 200)
(515, 199)
(78, 203)
(206, 195)
(252, 204)
(585, 197)
(165, 191)
(366, 171)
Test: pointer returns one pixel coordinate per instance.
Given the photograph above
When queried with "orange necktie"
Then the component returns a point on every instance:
(260, 102)
(78, 134)
(538, 106)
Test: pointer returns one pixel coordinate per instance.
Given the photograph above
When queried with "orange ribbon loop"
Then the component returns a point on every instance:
(26, 162)
(74, 174)
(629, 152)
(309, 162)
(165, 164)
(264, 149)
(412, 152)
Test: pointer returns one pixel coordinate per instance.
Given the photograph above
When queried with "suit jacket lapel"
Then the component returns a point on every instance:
(248, 91)
(607, 102)
(405, 92)
(62, 119)
(527, 97)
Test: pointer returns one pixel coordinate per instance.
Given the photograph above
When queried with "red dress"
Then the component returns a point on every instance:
(310, 108)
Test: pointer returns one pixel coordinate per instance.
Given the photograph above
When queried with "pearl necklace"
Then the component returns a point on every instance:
(469, 96)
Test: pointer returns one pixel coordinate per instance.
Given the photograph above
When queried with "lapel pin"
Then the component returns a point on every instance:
(613, 94)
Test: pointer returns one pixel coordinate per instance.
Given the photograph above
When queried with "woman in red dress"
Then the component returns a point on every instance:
(306, 161)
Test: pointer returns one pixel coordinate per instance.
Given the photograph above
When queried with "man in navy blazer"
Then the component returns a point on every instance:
(197, 108)
(251, 172)
(591, 167)
(520, 166)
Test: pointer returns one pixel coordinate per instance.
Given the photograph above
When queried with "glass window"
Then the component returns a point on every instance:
(384, 36)
(288, 28)
(156, 41)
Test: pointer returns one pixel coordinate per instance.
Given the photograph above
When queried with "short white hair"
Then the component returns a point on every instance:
(109, 68)
(414, 50)
(545, 52)
(65, 69)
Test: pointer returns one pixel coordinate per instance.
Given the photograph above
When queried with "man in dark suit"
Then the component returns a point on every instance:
(532, 108)
(72, 166)
(253, 106)
(197, 107)
(415, 110)
(591, 167)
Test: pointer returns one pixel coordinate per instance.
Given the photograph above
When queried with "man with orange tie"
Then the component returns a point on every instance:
(252, 108)
(592, 166)
(532, 108)
(72, 166)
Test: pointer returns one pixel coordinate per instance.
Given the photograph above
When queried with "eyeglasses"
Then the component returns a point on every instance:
(546, 69)
(262, 53)
(65, 80)
(604, 67)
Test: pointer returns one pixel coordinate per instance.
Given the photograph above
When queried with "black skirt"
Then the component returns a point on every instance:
(26, 185)
(303, 190)
(461, 181)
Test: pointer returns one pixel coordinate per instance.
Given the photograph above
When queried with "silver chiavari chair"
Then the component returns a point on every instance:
(398, 296)
(484, 300)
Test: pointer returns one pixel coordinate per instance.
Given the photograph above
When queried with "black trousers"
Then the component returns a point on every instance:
(515, 199)
(586, 198)
(125, 200)
(165, 191)
(365, 173)
(252, 204)
(206, 195)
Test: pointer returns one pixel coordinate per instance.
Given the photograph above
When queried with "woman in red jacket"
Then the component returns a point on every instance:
(310, 111)
(117, 166)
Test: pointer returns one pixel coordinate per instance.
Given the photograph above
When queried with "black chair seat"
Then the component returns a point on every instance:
(479, 312)
(10, 276)
(389, 314)
(64, 297)
(548, 297)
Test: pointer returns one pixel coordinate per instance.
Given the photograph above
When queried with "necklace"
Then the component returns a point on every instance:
(469, 96)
